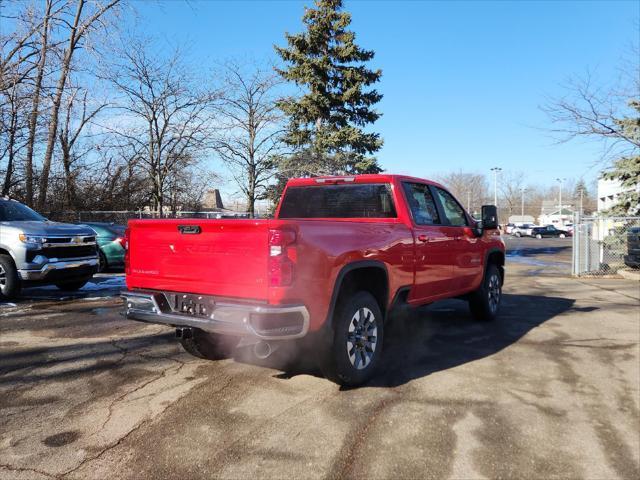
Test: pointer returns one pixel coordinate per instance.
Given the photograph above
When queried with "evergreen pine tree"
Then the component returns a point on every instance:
(627, 168)
(326, 124)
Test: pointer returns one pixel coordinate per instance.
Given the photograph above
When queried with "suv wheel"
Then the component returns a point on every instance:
(538, 236)
(485, 302)
(206, 345)
(518, 234)
(354, 353)
(9, 280)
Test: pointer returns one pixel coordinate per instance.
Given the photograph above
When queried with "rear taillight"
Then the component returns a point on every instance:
(282, 257)
(125, 244)
(121, 241)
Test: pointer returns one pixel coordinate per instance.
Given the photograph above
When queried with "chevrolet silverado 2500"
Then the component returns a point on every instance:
(340, 253)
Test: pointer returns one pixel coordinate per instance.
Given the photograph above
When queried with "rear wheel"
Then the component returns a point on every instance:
(518, 234)
(207, 345)
(538, 236)
(9, 280)
(562, 235)
(358, 331)
(485, 302)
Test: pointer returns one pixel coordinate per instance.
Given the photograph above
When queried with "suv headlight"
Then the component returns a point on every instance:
(31, 239)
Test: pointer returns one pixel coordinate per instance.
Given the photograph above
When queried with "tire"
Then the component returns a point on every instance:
(538, 236)
(350, 359)
(72, 286)
(9, 280)
(562, 235)
(103, 265)
(484, 303)
(518, 234)
(208, 345)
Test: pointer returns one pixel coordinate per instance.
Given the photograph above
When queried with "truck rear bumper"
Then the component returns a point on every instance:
(61, 270)
(224, 316)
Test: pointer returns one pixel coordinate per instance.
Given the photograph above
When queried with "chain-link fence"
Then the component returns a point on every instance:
(603, 245)
(121, 217)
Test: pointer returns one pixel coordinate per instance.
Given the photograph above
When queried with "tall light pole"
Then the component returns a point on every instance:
(495, 171)
(560, 180)
(469, 201)
(522, 190)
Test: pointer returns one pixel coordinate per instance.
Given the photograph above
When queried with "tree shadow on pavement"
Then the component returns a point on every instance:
(24, 366)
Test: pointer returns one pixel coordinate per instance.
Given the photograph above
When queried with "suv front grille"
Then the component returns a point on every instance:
(63, 252)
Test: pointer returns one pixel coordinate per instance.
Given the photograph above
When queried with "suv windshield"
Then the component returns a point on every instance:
(11, 211)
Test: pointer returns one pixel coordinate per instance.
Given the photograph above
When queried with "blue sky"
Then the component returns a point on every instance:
(462, 81)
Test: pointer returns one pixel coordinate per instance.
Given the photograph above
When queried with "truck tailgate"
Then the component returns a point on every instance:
(213, 257)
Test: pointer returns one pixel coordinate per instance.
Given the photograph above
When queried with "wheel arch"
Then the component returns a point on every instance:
(7, 252)
(370, 274)
(495, 256)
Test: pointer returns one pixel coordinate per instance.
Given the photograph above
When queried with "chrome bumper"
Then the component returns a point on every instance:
(41, 273)
(222, 316)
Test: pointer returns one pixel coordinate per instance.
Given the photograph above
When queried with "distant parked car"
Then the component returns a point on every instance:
(110, 238)
(509, 228)
(522, 230)
(633, 248)
(549, 231)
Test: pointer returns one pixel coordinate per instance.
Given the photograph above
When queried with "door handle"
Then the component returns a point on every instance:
(423, 238)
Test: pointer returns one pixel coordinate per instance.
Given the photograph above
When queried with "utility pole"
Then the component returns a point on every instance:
(495, 171)
(469, 201)
(560, 180)
(581, 195)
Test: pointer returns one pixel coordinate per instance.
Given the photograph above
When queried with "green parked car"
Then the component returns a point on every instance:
(110, 240)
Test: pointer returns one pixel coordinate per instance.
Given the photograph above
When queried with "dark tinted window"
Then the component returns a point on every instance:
(452, 209)
(339, 201)
(421, 203)
(11, 211)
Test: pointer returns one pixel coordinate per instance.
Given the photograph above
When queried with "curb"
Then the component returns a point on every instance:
(630, 274)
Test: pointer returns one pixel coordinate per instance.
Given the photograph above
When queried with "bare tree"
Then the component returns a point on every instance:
(249, 139)
(78, 29)
(77, 115)
(35, 99)
(167, 116)
(510, 185)
(592, 110)
(470, 188)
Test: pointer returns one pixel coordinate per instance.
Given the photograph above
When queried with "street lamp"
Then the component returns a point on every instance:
(495, 171)
(522, 190)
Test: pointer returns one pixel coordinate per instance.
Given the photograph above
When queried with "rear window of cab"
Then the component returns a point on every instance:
(365, 200)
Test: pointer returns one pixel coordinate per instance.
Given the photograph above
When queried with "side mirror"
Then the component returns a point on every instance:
(489, 217)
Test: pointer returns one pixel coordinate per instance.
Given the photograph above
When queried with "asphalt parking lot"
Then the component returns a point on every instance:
(550, 390)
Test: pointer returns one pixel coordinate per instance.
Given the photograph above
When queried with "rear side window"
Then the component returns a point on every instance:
(370, 200)
(421, 203)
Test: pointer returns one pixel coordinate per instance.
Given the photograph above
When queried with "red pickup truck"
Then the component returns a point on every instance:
(339, 254)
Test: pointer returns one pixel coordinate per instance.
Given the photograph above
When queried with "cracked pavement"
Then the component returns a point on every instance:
(549, 390)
